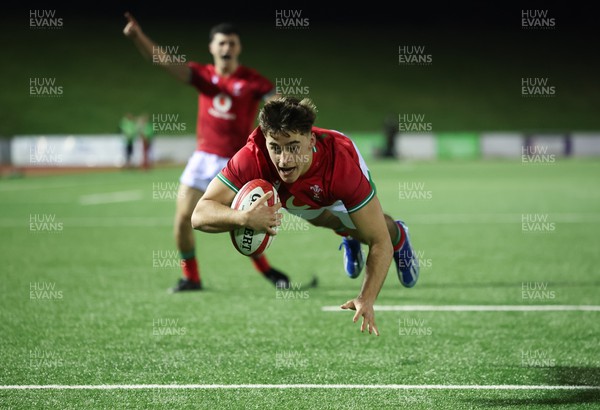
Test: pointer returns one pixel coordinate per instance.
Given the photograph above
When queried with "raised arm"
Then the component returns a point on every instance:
(148, 49)
(372, 229)
(213, 213)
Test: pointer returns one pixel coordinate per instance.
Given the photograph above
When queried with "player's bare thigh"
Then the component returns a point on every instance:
(327, 220)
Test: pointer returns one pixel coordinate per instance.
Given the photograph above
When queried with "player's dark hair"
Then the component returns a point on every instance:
(287, 114)
(223, 28)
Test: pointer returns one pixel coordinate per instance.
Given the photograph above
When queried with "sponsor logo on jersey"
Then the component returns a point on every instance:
(221, 106)
(222, 102)
(289, 204)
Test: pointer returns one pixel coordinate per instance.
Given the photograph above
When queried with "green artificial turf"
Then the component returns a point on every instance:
(100, 314)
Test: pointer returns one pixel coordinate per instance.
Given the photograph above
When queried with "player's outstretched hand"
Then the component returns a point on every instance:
(364, 309)
(262, 217)
(132, 29)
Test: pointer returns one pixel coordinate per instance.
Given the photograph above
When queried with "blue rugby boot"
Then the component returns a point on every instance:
(407, 264)
(354, 257)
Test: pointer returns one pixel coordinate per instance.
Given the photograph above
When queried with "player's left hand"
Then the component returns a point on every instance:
(364, 309)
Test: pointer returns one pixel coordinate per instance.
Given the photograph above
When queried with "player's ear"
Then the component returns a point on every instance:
(313, 140)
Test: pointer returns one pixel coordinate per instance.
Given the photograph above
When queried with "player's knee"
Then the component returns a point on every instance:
(390, 223)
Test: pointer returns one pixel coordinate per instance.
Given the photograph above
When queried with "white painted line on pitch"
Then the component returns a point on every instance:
(94, 222)
(37, 187)
(474, 308)
(298, 386)
(110, 197)
(498, 218)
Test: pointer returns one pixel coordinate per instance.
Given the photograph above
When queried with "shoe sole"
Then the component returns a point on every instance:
(362, 258)
(412, 264)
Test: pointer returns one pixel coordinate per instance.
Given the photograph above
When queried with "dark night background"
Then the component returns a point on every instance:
(347, 56)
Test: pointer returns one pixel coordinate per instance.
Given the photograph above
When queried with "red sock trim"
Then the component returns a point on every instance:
(261, 263)
(190, 269)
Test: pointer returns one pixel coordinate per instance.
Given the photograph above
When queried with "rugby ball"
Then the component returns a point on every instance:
(247, 241)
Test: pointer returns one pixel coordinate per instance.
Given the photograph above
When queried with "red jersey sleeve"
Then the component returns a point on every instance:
(240, 169)
(261, 86)
(199, 76)
(351, 183)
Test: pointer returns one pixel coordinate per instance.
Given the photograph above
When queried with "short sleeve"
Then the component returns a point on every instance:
(240, 169)
(262, 86)
(351, 184)
(199, 76)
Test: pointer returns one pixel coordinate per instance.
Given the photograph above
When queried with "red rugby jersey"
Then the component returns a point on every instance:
(227, 107)
(335, 173)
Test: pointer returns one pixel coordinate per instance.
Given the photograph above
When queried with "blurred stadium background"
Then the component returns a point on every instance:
(347, 60)
(486, 164)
